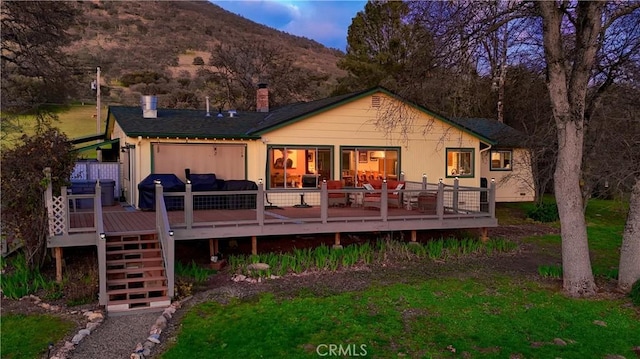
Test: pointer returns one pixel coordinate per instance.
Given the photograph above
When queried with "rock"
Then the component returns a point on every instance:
(138, 348)
(166, 314)
(135, 356)
(154, 338)
(77, 339)
(84, 332)
(161, 322)
(93, 316)
(148, 345)
(239, 278)
(146, 352)
(69, 345)
(155, 330)
(600, 323)
(614, 356)
(45, 306)
(560, 342)
(91, 326)
(258, 266)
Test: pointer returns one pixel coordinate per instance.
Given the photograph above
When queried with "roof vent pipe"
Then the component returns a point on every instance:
(208, 113)
(149, 106)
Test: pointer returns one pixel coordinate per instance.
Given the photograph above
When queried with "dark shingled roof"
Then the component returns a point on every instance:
(504, 135)
(185, 123)
(250, 125)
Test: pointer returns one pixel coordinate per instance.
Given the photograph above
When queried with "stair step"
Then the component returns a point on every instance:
(112, 262)
(131, 305)
(138, 300)
(143, 290)
(131, 251)
(134, 270)
(125, 281)
(121, 243)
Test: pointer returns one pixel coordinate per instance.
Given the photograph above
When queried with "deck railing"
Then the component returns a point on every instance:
(165, 234)
(417, 200)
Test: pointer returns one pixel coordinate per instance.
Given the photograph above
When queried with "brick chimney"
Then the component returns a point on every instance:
(262, 103)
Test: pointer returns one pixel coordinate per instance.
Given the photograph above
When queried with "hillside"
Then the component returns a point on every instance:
(134, 37)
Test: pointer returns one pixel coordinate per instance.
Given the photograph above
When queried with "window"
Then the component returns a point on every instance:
(460, 162)
(298, 167)
(360, 165)
(501, 160)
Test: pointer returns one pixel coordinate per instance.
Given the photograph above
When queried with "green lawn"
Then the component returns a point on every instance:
(492, 315)
(442, 318)
(28, 336)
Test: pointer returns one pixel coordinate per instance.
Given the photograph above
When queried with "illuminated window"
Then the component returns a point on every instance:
(501, 160)
(460, 162)
(298, 167)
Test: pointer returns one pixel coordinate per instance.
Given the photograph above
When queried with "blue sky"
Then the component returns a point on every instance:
(327, 22)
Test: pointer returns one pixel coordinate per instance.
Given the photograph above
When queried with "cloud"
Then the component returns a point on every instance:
(324, 21)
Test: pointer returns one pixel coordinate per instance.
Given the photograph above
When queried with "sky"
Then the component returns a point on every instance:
(326, 22)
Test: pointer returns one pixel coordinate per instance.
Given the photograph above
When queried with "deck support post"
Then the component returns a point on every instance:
(58, 253)
(484, 234)
(254, 245)
(336, 243)
(414, 237)
(213, 247)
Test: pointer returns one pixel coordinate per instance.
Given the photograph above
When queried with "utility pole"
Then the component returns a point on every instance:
(98, 100)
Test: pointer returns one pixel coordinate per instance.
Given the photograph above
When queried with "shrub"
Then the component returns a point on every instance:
(635, 293)
(544, 212)
(198, 61)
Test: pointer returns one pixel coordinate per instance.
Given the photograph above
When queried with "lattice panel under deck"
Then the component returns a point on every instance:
(58, 223)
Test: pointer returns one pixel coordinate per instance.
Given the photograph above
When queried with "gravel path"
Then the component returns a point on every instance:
(117, 336)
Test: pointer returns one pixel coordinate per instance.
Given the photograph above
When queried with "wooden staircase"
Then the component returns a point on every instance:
(136, 276)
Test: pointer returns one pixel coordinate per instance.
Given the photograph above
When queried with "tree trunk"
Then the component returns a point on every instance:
(576, 263)
(630, 249)
(567, 83)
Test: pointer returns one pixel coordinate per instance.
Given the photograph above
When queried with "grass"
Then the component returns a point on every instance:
(605, 224)
(499, 318)
(28, 336)
(76, 120)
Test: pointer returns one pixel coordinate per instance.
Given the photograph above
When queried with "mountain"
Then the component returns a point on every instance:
(161, 40)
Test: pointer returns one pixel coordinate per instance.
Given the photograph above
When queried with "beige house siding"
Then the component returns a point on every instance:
(516, 185)
(354, 125)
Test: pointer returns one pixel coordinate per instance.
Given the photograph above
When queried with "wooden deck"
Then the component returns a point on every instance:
(453, 211)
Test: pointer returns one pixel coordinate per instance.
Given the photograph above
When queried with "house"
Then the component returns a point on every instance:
(353, 138)
(322, 152)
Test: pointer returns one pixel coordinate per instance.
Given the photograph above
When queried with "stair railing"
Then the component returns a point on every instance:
(101, 244)
(166, 237)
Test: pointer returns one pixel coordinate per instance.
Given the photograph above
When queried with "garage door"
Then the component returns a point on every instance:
(226, 161)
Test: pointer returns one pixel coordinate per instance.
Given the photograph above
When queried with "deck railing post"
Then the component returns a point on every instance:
(424, 181)
(440, 201)
(456, 188)
(67, 212)
(159, 197)
(97, 203)
(48, 201)
(102, 268)
(384, 201)
(324, 202)
(170, 266)
(188, 205)
(492, 198)
(260, 203)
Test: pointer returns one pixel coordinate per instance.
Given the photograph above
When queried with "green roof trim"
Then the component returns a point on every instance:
(108, 143)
